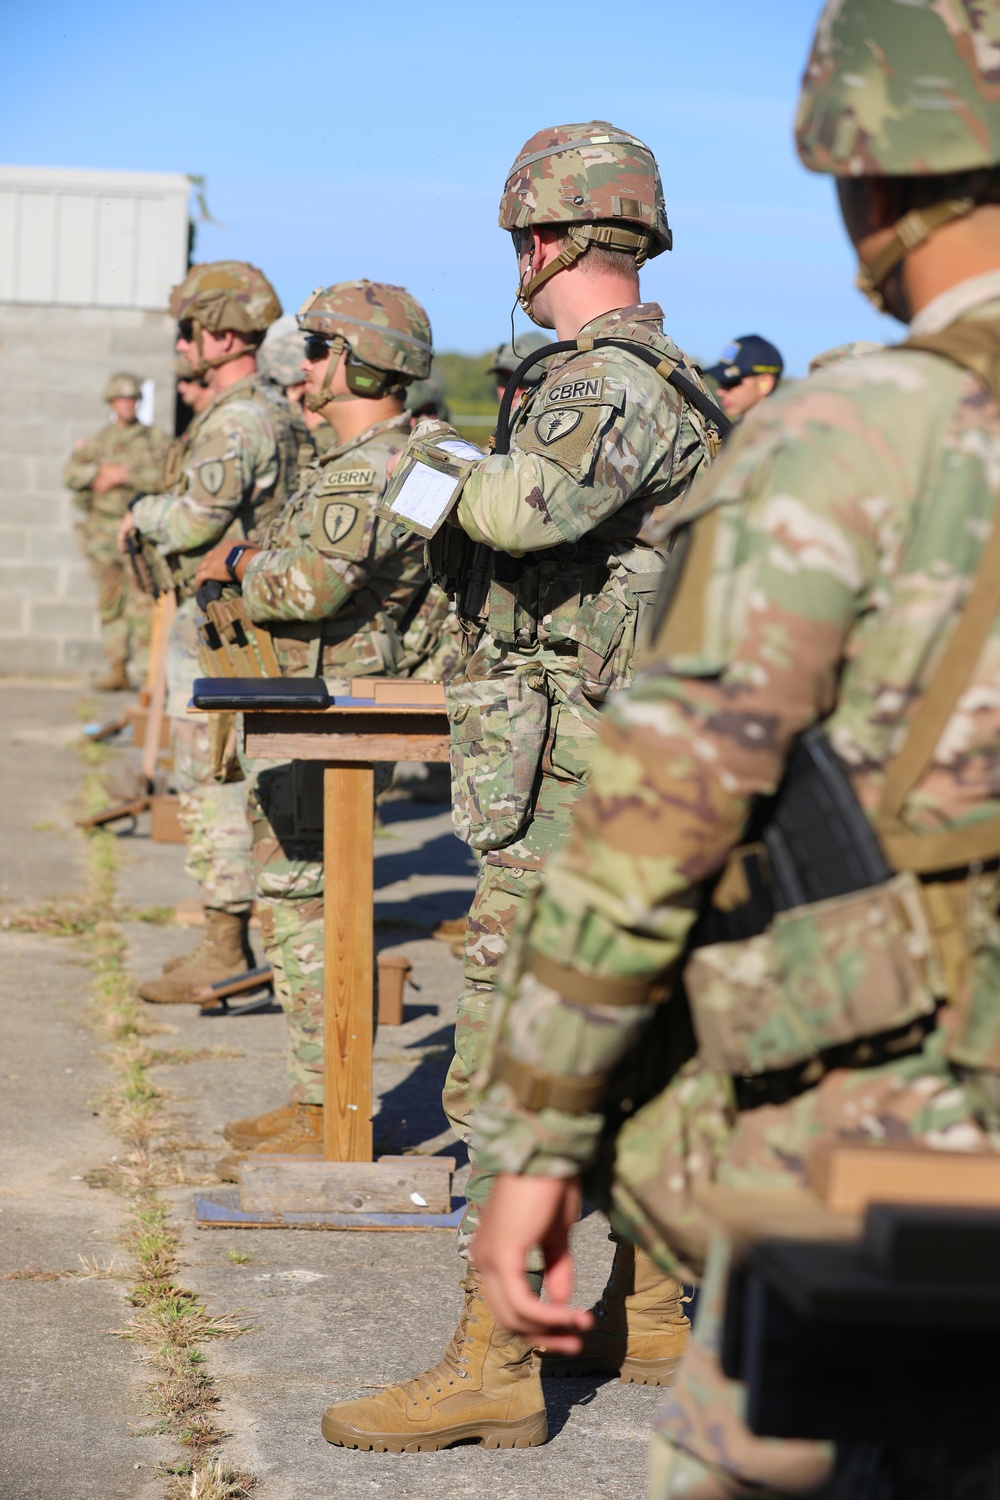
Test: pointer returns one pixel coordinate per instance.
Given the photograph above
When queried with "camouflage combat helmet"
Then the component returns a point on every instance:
(426, 398)
(600, 182)
(897, 89)
(279, 360)
(506, 357)
(386, 333)
(224, 296)
(123, 385)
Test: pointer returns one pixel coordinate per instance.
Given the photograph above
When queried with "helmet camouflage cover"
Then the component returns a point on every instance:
(383, 325)
(578, 174)
(506, 357)
(123, 385)
(280, 359)
(902, 88)
(226, 295)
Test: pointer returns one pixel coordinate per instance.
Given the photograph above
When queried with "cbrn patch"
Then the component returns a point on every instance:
(335, 480)
(585, 388)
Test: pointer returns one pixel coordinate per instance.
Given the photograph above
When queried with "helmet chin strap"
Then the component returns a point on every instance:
(324, 396)
(911, 231)
(581, 237)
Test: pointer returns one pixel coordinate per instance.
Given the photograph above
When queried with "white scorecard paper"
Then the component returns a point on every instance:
(425, 495)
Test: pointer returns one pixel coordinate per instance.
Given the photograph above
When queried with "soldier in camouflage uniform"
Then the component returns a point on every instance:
(280, 362)
(337, 589)
(506, 359)
(838, 567)
(549, 557)
(193, 392)
(107, 471)
(235, 470)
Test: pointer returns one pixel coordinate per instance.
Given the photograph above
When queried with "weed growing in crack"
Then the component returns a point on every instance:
(169, 1322)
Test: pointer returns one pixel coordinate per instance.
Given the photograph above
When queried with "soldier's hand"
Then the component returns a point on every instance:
(128, 524)
(110, 477)
(523, 1212)
(213, 564)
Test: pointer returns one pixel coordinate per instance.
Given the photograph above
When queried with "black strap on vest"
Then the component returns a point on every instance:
(676, 377)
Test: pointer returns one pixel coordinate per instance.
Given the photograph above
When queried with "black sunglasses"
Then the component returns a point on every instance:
(316, 348)
(185, 330)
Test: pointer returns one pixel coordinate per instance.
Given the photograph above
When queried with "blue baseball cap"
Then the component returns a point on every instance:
(748, 355)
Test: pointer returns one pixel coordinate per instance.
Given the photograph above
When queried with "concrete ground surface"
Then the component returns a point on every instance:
(333, 1315)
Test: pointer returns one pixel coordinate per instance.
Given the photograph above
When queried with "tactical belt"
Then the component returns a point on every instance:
(783, 1084)
(592, 989)
(537, 1090)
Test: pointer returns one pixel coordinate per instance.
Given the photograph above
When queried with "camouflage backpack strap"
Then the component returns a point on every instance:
(672, 373)
(976, 347)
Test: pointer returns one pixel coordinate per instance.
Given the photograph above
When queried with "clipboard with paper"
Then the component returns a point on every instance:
(427, 483)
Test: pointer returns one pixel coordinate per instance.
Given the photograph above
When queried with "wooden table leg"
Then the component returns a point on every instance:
(348, 941)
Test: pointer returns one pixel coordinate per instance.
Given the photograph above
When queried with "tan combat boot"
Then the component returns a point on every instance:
(640, 1328)
(115, 680)
(485, 1387)
(250, 1132)
(301, 1136)
(193, 955)
(221, 954)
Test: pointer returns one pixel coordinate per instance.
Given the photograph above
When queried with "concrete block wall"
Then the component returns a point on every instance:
(53, 365)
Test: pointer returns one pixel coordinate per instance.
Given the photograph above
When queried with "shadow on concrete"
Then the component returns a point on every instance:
(442, 855)
(410, 1112)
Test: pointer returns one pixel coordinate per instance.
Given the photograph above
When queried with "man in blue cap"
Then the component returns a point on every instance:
(748, 370)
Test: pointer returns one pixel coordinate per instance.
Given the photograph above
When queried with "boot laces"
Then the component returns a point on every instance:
(448, 1369)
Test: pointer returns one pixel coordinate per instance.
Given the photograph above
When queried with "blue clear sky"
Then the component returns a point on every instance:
(373, 141)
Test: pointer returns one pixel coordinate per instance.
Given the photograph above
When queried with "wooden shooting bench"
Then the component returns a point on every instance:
(374, 719)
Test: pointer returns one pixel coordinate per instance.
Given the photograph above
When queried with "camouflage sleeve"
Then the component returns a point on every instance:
(581, 450)
(232, 458)
(147, 461)
(81, 467)
(782, 560)
(312, 580)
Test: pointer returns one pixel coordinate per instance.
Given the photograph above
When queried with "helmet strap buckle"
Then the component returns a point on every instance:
(911, 230)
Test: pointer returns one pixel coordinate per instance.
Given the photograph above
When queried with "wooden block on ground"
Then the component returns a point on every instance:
(848, 1177)
(164, 826)
(393, 971)
(308, 1184)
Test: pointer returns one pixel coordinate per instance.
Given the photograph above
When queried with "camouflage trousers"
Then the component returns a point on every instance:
(214, 821)
(285, 809)
(125, 611)
(507, 879)
(703, 1449)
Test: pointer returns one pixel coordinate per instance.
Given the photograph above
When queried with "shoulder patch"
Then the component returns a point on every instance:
(212, 476)
(557, 423)
(586, 388)
(343, 528)
(347, 479)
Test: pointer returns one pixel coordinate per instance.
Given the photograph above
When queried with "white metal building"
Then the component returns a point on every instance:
(87, 260)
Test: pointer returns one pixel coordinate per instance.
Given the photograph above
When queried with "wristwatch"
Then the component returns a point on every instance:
(233, 557)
